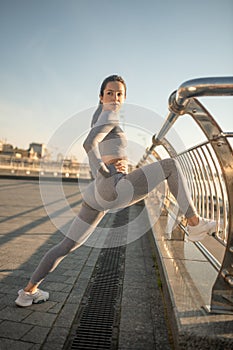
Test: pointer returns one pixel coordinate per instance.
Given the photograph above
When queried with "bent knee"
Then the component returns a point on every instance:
(170, 163)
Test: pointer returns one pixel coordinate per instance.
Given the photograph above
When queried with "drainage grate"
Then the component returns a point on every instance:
(99, 313)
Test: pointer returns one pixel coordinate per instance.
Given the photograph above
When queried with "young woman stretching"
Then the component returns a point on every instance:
(113, 187)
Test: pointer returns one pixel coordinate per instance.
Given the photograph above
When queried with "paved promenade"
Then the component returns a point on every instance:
(26, 233)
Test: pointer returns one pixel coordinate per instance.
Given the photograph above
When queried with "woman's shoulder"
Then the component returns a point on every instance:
(108, 117)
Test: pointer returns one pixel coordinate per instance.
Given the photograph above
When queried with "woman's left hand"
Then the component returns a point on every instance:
(121, 166)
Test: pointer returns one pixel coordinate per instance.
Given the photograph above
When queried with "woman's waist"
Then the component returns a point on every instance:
(108, 160)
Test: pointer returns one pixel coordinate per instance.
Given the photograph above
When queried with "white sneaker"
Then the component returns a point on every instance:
(27, 299)
(199, 232)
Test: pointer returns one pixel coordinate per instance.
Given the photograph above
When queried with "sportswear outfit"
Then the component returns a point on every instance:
(111, 189)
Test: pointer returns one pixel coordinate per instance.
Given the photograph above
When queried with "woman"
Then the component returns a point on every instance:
(113, 187)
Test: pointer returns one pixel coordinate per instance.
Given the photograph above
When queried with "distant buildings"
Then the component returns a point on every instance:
(37, 161)
(35, 151)
(6, 149)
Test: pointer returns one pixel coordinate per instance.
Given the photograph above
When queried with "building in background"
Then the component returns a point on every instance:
(36, 150)
(37, 161)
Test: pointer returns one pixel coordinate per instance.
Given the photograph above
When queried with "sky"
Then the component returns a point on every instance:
(55, 54)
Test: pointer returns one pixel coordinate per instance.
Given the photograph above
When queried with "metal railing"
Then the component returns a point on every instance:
(208, 168)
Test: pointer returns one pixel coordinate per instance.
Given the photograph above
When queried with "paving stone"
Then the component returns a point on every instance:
(137, 325)
(71, 280)
(13, 330)
(56, 308)
(56, 338)
(86, 272)
(6, 288)
(67, 288)
(67, 315)
(5, 300)
(40, 318)
(136, 340)
(56, 277)
(53, 286)
(14, 313)
(36, 347)
(57, 296)
(9, 344)
(71, 273)
(36, 335)
(43, 307)
(75, 296)
(140, 319)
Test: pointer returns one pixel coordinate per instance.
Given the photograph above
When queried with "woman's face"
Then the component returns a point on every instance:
(113, 96)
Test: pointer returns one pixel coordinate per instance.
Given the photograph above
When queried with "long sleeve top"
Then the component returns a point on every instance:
(106, 138)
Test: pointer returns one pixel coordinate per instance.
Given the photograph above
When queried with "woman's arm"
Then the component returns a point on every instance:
(106, 122)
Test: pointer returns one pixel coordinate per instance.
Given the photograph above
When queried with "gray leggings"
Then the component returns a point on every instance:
(117, 191)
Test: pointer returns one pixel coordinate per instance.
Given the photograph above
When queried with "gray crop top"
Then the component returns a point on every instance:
(105, 138)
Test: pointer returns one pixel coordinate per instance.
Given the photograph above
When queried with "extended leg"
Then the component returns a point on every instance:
(81, 228)
(145, 179)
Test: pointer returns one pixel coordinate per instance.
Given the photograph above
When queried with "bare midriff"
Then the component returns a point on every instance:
(111, 160)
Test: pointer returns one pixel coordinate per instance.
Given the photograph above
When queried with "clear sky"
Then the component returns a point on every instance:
(55, 54)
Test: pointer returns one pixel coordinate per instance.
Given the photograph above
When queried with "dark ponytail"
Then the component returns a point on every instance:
(96, 114)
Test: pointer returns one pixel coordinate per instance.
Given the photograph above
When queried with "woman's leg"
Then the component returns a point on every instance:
(145, 179)
(81, 228)
(138, 184)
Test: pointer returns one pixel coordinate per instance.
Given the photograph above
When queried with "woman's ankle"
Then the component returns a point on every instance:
(30, 288)
(193, 221)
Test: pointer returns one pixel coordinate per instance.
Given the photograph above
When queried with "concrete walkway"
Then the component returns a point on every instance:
(27, 232)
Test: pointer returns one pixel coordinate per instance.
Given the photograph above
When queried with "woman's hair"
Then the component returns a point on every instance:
(110, 79)
(102, 88)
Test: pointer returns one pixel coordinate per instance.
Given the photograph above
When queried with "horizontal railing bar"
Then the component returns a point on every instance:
(226, 134)
(215, 86)
(215, 263)
(218, 86)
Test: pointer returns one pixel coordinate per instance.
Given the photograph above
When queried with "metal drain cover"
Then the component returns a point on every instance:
(99, 314)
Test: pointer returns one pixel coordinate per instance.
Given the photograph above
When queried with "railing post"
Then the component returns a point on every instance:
(222, 291)
(181, 102)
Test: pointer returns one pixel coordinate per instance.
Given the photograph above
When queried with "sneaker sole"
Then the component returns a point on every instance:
(20, 305)
(203, 235)
(40, 301)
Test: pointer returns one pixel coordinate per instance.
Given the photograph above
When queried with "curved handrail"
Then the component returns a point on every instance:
(193, 88)
(216, 149)
(216, 86)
